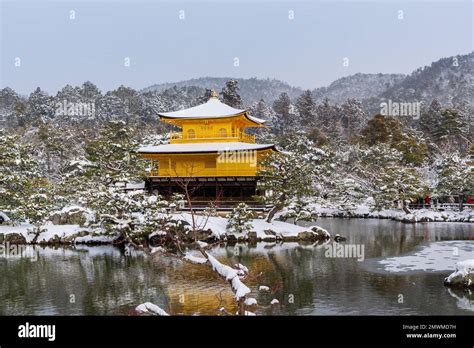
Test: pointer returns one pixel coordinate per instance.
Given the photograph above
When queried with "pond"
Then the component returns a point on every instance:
(399, 270)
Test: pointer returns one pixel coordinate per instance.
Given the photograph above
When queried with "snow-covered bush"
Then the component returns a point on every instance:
(299, 210)
(239, 219)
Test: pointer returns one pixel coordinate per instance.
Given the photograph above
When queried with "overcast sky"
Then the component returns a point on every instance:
(306, 51)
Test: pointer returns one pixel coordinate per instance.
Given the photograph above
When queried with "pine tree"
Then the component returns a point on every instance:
(261, 110)
(284, 177)
(113, 155)
(299, 210)
(205, 97)
(386, 129)
(455, 176)
(452, 130)
(90, 92)
(40, 107)
(230, 94)
(328, 119)
(239, 219)
(398, 183)
(352, 117)
(430, 120)
(284, 119)
(112, 108)
(25, 194)
(305, 106)
(51, 148)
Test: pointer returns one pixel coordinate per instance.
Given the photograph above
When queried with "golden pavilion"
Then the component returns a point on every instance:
(211, 152)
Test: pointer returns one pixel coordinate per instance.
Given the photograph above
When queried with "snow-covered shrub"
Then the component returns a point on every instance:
(299, 210)
(239, 219)
(177, 202)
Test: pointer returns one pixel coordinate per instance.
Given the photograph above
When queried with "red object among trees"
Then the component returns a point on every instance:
(427, 200)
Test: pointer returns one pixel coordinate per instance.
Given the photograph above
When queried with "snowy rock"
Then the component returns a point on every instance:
(463, 276)
(263, 288)
(150, 308)
(73, 215)
(250, 301)
(3, 217)
(322, 233)
(252, 236)
(274, 301)
(14, 238)
(157, 250)
(247, 313)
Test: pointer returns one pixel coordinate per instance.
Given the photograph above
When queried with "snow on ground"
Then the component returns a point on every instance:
(418, 215)
(218, 226)
(435, 257)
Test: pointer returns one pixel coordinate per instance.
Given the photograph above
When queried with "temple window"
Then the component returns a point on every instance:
(222, 133)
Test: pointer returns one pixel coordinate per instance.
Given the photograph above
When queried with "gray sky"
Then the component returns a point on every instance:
(306, 51)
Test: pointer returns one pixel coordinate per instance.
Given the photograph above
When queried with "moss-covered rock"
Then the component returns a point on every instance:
(14, 238)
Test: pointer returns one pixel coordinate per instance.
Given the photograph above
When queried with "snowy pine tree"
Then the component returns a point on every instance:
(230, 94)
(455, 176)
(239, 220)
(284, 177)
(398, 183)
(305, 106)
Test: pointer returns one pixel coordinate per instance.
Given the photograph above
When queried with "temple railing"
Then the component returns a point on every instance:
(179, 137)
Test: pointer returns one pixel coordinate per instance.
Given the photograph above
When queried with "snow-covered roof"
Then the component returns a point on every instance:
(213, 108)
(204, 147)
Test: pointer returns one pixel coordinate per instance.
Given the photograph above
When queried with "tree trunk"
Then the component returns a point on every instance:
(461, 201)
(405, 207)
(241, 306)
(272, 213)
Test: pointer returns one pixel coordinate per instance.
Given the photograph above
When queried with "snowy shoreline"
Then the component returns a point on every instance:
(215, 229)
(419, 215)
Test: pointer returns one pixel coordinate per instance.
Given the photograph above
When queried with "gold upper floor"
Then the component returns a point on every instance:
(212, 130)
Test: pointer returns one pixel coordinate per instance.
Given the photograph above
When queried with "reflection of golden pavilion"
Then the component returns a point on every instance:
(208, 132)
(198, 289)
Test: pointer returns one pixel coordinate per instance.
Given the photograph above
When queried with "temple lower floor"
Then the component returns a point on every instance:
(207, 189)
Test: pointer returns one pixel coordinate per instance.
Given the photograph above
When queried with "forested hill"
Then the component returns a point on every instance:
(251, 90)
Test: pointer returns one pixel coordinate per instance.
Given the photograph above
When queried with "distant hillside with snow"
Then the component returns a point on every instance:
(251, 90)
(358, 86)
(448, 80)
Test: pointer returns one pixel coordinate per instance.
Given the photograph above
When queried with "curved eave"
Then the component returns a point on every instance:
(256, 122)
(270, 147)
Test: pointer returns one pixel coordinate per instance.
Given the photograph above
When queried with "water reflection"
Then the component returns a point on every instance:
(306, 282)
